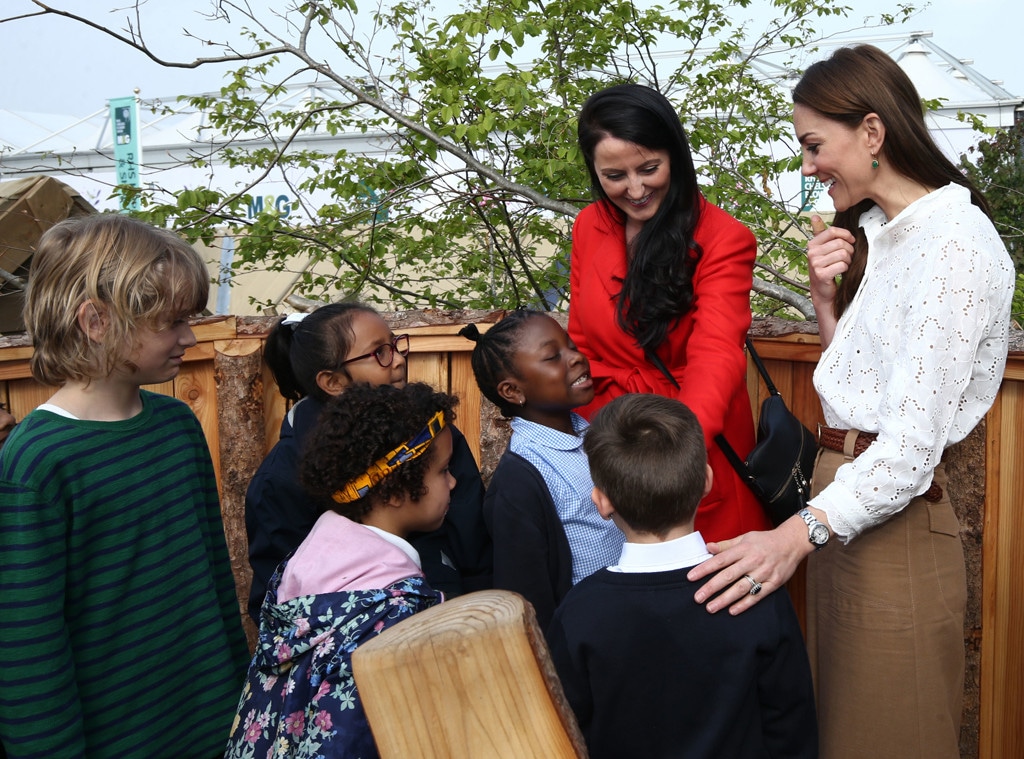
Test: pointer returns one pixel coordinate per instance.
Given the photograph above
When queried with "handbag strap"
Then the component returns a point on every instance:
(772, 390)
(730, 454)
(738, 464)
(656, 360)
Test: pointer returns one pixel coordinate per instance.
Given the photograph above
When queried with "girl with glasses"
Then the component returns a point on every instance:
(315, 357)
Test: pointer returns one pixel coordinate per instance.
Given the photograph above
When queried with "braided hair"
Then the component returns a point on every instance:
(494, 355)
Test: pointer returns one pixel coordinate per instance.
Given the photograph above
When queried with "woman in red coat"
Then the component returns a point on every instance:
(660, 286)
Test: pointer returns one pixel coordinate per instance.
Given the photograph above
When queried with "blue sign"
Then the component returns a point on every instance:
(124, 119)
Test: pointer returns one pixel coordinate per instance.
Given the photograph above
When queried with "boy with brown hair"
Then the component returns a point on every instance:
(646, 669)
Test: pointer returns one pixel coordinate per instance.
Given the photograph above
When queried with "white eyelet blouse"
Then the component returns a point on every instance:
(918, 355)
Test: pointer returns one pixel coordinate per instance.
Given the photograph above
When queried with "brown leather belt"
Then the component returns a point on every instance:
(837, 440)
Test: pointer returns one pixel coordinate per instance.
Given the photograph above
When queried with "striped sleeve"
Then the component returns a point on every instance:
(40, 713)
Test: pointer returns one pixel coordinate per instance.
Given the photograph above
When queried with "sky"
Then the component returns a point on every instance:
(55, 65)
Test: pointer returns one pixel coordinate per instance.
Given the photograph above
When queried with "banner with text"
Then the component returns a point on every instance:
(124, 118)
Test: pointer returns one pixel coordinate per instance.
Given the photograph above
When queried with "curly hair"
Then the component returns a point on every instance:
(360, 426)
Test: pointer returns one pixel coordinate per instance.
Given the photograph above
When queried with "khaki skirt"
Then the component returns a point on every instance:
(885, 632)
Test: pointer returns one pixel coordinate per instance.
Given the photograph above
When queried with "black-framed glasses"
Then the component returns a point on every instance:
(385, 354)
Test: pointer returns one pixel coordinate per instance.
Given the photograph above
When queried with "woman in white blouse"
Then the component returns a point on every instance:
(914, 339)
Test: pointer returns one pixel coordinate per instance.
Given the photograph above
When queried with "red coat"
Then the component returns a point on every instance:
(704, 351)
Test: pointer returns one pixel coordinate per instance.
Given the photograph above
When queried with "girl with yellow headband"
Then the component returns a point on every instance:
(378, 462)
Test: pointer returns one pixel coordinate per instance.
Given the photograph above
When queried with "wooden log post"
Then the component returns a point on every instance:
(239, 378)
(469, 678)
(965, 467)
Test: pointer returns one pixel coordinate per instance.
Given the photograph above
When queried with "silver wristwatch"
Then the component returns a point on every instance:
(817, 532)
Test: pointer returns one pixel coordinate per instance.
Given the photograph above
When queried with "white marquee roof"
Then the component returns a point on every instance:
(79, 149)
(171, 130)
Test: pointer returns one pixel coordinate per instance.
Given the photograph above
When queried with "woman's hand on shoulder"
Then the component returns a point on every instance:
(768, 558)
(829, 254)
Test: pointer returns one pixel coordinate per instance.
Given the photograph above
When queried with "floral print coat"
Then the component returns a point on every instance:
(300, 698)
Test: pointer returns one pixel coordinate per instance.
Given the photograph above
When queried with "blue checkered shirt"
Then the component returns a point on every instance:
(594, 542)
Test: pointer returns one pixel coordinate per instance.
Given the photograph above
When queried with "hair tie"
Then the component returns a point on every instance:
(293, 320)
(385, 465)
(471, 332)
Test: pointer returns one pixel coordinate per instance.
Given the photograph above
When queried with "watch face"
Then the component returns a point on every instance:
(819, 534)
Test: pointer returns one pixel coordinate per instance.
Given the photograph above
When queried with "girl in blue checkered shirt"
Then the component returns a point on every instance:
(546, 530)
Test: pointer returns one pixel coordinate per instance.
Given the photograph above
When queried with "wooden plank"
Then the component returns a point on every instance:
(1001, 729)
(789, 350)
(806, 404)
(441, 338)
(1012, 501)
(440, 344)
(196, 386)
(217, 328)
(164, 388)
(988, 706)
(431, 368)
(17, 368)
(463, 384)
(25, 395)
(14, 359)
(442, 329)
(1014, 367)
(275, 407)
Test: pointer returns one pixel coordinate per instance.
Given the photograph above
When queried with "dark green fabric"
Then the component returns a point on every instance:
(120, 631)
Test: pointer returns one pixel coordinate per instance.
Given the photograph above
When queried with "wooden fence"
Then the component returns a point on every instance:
(234, 397)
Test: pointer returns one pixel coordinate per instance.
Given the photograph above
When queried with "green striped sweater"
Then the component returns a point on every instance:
(119, 625)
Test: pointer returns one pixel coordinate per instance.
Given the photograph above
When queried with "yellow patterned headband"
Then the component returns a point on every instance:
(385, 465)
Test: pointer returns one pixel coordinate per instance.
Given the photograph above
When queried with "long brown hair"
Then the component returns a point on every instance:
(846, 87)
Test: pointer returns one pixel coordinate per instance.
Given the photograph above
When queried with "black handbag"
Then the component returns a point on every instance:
(778, 469)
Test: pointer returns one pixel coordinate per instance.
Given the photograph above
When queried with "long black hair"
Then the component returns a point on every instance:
(658, 288)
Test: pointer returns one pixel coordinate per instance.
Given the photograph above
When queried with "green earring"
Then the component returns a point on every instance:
(874, 164)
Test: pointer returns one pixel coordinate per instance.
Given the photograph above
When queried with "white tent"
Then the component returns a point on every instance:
(80, 150)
